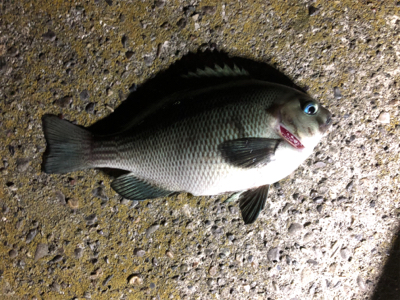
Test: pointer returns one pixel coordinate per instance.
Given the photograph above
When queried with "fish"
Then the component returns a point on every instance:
(238, 136)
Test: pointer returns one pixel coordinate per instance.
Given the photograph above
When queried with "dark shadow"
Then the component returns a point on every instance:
(170, 81)
(388, 286)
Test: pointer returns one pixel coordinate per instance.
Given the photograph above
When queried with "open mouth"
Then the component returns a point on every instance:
(290, 137)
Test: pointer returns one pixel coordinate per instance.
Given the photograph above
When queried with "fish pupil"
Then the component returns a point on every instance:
(311, 110)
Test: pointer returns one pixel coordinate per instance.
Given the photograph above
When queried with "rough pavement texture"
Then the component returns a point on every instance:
(71, 237)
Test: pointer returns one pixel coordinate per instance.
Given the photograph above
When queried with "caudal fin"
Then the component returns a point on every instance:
(68, 146)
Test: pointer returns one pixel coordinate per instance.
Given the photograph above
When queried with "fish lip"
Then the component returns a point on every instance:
(290, 137)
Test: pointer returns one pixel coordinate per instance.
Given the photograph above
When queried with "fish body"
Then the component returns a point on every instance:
(240, 136)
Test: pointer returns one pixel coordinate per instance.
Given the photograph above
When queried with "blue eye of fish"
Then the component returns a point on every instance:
(310, 108)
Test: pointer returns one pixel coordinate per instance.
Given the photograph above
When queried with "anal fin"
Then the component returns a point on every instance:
(132, 188)
(252, 202)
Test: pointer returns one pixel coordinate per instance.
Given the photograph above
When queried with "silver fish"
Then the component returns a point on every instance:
(232, 137)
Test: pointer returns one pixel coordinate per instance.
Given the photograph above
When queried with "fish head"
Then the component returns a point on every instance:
(301, 120)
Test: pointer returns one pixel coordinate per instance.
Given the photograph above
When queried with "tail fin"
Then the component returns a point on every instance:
(68, 146)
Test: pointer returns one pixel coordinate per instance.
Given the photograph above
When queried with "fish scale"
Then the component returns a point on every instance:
(186, 141)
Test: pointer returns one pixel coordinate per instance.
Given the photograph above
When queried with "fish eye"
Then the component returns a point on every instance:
(310, 108)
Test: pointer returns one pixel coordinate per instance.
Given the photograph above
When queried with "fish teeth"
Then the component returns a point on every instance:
(290, 137)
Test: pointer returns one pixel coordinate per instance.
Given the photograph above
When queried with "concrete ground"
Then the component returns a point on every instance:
(328, 229)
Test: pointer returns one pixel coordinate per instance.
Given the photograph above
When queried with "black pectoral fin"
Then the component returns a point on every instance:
(249, 152)
(252, 202)
(133, 188)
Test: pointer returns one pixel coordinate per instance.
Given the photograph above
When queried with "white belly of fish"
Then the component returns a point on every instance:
(233, 179)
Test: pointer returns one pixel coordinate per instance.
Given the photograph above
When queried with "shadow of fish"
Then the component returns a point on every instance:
(239, 136)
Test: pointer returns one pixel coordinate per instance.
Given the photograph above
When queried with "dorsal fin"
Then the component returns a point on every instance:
(217, 71)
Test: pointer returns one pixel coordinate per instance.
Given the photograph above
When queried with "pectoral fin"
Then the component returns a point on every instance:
(249, 152)
(252, 202)
(133, 188)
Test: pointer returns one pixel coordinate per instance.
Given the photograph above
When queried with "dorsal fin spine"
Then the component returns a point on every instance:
(217, 71)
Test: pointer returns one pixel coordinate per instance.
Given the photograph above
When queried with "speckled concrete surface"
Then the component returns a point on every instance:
(71, 237)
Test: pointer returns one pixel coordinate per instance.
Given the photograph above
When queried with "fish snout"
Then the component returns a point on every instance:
(328, 122)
